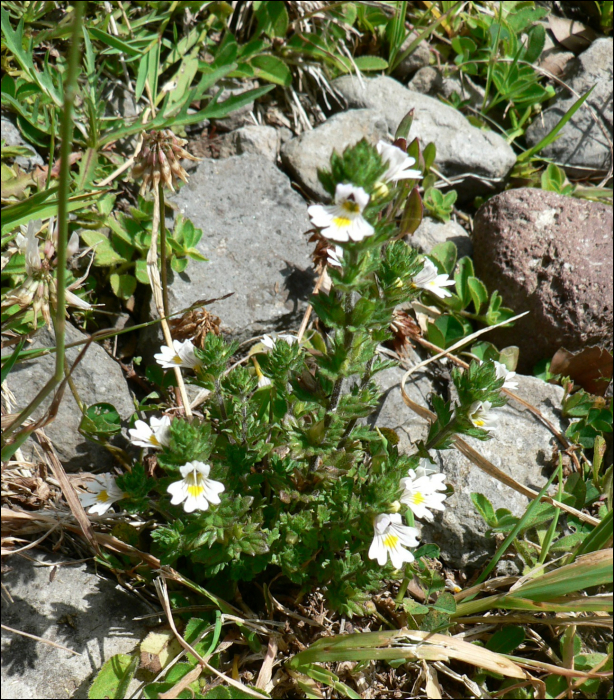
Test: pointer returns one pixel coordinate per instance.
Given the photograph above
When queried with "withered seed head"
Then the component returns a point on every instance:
(195, 325)
(404, 330)
(160, 160)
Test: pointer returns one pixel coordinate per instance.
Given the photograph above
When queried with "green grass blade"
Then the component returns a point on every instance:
(553, 133)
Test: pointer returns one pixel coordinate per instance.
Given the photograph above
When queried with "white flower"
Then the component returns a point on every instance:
(478, 415)
(429, 278)
(452, 586)
(504, 373)
(180, 355)
(420, 491)
(269, 340)
(343, 220)
(156, 435)
(103, 494)
(196, 489)
(398, 162)
(335, 256)
(390, 535)
(29, 246)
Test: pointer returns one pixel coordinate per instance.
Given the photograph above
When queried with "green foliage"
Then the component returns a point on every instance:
(439, 205)
(124, 250)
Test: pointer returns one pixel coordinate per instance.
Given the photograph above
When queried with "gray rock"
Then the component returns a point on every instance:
(462, 149)
(431, 233)
(550, 255)
(430, 81)
(259, 140)
(12, 137)
(303, 155)
(393, 413)
(581, 144)
(427, 80)
(253, 225)
(418, 58)
(97, 378)
(77, 609)
(522, 447)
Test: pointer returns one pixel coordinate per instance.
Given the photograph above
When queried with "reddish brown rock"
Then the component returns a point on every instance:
(552, 256)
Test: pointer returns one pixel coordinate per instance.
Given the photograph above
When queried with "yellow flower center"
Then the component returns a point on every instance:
(418, 498)
(350, 206)
(177, 360)
(479, 422)
(153, 440)
(390, 541)
(103, 496)
(341, 221)
(195, 487)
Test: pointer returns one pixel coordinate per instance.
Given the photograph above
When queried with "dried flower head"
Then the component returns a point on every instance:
(194, 325)
(159, 160)
(404, 330)
(39, 289)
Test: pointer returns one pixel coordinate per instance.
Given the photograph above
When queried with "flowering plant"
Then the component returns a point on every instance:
(281, 474)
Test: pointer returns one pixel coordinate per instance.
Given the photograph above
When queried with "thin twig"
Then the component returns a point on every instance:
(44, 641)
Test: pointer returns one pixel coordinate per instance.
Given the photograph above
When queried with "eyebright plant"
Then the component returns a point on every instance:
(281, 474)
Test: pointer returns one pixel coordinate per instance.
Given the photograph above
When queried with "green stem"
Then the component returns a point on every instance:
(163, 269)
(66, 134)
(445, 432)
(492, 59)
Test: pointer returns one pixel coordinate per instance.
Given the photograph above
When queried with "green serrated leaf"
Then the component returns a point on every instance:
(114, 677)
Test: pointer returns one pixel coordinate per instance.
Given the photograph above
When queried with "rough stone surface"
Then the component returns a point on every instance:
(393, 413)
(97, 378)
(462, 149)
(431, 233)
(253, 225)
(581, 143)
(259, 140)
(430, 81)
(550, 255)
(77, 609)
(418, 58)
(522, 447)
(303, 155)
(12, 137)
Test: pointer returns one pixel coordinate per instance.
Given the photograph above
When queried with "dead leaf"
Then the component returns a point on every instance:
(590, 368)
(572, 35)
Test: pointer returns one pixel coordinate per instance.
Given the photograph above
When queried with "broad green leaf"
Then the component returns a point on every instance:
(100, 420)
(478, 291)
(114, 677)
(272, 69)
(450, 330)
(413, 213)
(505, 640)
(105, 255)
(445, 253)
(463, 272)
(368, 63)
(140, 271)
(123, 286)
(484, 508)
(445, 603)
